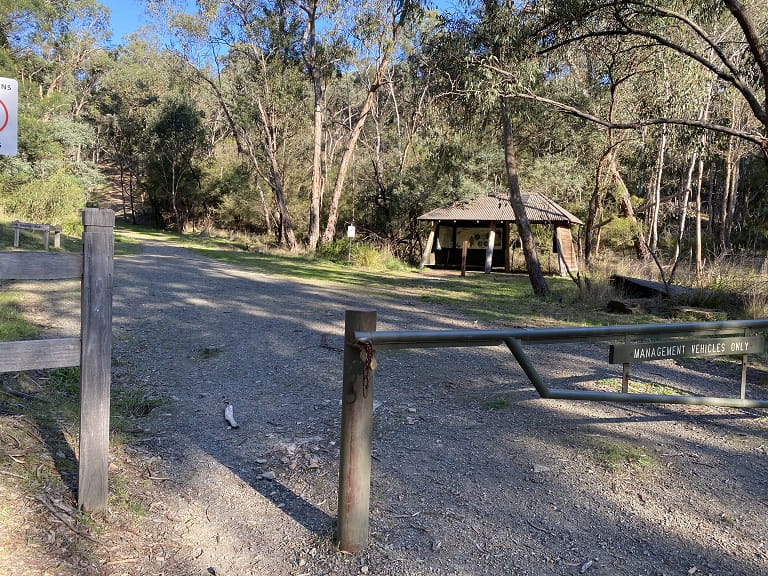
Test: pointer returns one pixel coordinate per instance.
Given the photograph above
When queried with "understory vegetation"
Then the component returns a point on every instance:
(294, 121)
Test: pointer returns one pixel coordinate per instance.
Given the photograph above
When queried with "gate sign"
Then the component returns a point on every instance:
(648, 351)
(9, 118)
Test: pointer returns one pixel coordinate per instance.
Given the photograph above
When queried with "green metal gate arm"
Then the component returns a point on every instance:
(459, 338)
(514, 337)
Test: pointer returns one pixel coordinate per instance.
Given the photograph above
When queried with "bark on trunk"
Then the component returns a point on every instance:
(687, 189)
(536, 276)
(627, 211)
(313, 68)
(276, 180)
(653, 227)
(346, 159)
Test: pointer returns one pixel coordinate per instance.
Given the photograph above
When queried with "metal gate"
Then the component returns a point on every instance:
(686, 340)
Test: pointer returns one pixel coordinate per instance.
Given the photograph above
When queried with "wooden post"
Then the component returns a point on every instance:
(507, 248)
(743, 376)
(428, 246)
(15, 234)
(489, 249)
(625, 378)
(464, 248)
(46, 238)
(356, 424)
(96, 357)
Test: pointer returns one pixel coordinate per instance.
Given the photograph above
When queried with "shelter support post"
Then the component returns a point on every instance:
(489, 249)
(625, 378)
(96, 358)
(356, 424)
(507, 247)
(429, 244)
(464, 248)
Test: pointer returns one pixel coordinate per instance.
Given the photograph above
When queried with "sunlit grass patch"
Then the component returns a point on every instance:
(13, 324)
(130, 403)
(639, 387)
(615, 456)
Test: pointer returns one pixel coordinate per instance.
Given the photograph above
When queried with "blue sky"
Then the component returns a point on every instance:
(128, 15)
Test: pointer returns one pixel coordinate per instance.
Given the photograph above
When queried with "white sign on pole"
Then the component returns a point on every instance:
(9, 116)
(351, 231)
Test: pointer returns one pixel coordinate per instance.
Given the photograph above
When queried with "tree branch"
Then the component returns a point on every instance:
(701, 124)
(754, 42)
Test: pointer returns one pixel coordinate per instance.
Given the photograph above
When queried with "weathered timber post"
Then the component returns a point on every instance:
(95, 357)
(356, 424)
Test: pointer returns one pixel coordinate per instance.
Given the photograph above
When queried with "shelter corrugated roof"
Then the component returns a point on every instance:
(539, 208)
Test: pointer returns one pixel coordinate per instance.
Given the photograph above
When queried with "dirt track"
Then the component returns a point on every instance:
(473, 474)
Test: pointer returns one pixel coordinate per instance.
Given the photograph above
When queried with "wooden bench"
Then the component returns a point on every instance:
(46, 229)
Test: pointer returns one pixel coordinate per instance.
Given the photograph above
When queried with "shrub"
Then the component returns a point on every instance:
(360, 254)
(55, 200)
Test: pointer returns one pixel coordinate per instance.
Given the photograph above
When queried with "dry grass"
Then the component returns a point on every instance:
(41, 530)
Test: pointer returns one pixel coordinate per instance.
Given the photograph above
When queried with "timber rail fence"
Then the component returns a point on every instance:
(92, 350)
(693, 339)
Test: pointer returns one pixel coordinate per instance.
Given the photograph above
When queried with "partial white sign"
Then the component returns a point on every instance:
(9, 116)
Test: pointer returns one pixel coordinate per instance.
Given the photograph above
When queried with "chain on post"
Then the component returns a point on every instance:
(368, 356)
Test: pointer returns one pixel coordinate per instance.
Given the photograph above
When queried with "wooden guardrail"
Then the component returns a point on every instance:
(46, 229)
(92, 351)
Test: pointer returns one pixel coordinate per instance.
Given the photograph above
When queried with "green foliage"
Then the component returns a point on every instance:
(495, 404)
(175, 136)
(65, 380)
(54, 199)
(619, 234)
(360, 254)
(134, 402)
(234, 200)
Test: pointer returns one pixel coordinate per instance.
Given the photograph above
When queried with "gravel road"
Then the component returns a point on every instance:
(473, 474)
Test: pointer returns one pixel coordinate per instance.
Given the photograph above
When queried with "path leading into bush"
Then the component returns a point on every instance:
(473, 473)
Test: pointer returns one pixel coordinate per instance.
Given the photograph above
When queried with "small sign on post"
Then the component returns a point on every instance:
(9, 118)
(351, 236)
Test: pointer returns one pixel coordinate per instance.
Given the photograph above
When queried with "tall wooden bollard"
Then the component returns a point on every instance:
(356, 425)
(95, 358)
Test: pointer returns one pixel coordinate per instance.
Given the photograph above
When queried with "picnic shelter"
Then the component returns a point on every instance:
(486, 225)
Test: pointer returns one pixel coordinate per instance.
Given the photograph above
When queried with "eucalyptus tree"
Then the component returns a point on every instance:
(498, 49)
(175, 137)
(52, 49)
(376, 30)
(321, 49)
(407, 123)
(721, 39)
(692, 30)
(248, 54)
(122, 104)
